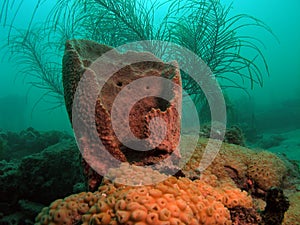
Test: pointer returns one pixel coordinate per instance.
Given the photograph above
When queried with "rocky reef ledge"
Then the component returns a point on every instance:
(233, 190)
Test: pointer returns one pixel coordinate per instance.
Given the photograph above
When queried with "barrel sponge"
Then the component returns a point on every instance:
(266, 169)
(292, 215)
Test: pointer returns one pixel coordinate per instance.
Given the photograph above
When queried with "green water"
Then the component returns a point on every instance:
(269, 101)
(272, 108)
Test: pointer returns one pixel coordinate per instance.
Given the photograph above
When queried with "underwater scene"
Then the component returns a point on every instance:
(150, 112)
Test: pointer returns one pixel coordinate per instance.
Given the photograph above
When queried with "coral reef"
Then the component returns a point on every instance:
(215, 196)
(221, 188)
(266, 170)
(173, 201)
(244, 216)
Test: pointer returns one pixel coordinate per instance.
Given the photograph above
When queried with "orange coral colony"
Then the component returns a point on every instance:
(173, 201)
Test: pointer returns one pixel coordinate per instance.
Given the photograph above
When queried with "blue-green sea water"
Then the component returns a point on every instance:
(277, 100)
(274, 106)
(268, 113)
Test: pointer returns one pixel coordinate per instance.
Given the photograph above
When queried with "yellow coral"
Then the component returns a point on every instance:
(239, 163)
(266, 169)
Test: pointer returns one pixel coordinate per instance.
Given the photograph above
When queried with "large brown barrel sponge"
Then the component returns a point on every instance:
(80, 55)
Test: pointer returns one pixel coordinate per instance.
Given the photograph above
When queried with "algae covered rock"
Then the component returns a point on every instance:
(16, 145)
(50, 174)
(39, 178)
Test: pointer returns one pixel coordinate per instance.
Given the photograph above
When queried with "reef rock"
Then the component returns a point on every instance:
(16, 145)
(277, 205)
(292, 216)
(39, 178)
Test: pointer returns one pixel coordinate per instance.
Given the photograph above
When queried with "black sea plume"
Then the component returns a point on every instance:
(205, 27)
